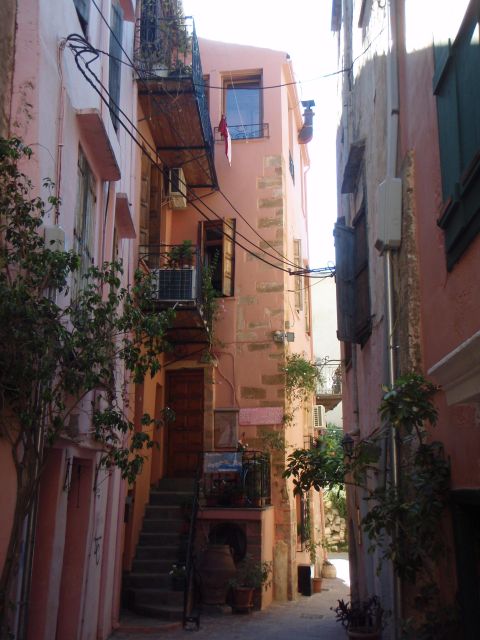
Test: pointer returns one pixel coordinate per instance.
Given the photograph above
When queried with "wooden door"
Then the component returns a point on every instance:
(184, 394)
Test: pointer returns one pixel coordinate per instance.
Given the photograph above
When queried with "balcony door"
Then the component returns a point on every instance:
(184, 394)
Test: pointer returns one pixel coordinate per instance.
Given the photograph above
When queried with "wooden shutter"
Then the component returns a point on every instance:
(115, 62)
(144, 201)
(83, 10)
(344, 278)
(228, 257)
(362, 316)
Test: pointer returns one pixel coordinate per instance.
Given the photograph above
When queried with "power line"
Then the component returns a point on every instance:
(284, 259)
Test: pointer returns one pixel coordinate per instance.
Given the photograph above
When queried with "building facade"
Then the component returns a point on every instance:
(408, 212)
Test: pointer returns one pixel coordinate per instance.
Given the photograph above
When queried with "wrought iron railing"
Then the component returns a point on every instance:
(245, 131)
(167, 47)
(330, 376)
(176, 271)
(191, 599)
(236, 479)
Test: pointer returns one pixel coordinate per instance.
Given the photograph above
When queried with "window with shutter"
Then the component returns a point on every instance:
(83, 12)
(115, 64)
(352, 280)
(83, 232)
(218, 249)
(457, 90)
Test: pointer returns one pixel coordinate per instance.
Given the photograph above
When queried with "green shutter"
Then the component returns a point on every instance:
(115, 70)
(345, 279)
(83, 10)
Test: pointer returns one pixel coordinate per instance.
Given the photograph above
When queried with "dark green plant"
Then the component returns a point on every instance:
(210, 298)
(365, 615)
(53, 355)
(181, 255)
(252, 573)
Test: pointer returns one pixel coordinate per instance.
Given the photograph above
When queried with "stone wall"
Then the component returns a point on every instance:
(335, 527)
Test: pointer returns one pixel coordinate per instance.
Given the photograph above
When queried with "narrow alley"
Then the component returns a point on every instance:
(307, 617)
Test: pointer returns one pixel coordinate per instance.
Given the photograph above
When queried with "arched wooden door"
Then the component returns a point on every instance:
(184, 394)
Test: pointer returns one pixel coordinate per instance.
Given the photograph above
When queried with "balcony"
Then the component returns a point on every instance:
(172, 93)
(177, 281)
(238, 479)
(329, 389)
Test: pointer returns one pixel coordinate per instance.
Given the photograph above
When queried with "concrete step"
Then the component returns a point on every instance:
(153, 566)
(142, 580)
(158, 539)
(158, 553)
(160, 525)
(176, 498)
(166, 612)
(176, 484)
(165, 512)
(157, 597)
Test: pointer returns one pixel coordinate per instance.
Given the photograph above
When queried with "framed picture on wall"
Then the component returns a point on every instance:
(225, 428)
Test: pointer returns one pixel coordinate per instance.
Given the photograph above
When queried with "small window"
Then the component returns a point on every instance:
(243, 106)
(115, 63)
(218, 250)
(83, 13)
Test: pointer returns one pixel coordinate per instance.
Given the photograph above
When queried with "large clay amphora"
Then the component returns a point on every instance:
(216, 569)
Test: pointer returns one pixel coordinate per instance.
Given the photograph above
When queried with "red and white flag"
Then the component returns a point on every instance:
(225, 133)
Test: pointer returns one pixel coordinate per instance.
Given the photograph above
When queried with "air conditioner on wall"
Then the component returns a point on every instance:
(319, 421)
(175, 284)
(177, 188)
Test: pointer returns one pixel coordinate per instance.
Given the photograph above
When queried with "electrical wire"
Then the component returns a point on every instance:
(79, 46)
(285, 260)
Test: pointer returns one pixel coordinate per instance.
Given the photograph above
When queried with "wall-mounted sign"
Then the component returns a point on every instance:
(261, 416)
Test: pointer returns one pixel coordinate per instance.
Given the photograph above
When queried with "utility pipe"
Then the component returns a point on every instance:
(391, 167)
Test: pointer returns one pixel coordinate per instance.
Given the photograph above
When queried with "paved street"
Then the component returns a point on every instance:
(308, 617)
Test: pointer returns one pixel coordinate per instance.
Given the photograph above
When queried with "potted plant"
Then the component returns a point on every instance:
(251, 574)
(180, 255)
(178, 574)
(362, 619)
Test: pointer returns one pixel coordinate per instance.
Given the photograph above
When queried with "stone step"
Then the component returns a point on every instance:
(158, 539)
(170, 497)
(165, 512)
(166, 612)
(176, 484)
(158, 553)
(153, 566)
(157, 597)
(142, 580)
(160, 525)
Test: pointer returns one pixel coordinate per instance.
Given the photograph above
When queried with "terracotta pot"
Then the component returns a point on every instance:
(242, 599)
(317, 585)
(216, 569)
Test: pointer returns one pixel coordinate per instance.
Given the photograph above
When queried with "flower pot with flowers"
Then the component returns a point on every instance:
(178, 574)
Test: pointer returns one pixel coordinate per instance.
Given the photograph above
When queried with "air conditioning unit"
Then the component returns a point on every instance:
(319, 421)
(177, 188)
(175, 284)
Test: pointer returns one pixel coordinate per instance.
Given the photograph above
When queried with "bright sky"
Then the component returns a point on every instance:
(302, 29)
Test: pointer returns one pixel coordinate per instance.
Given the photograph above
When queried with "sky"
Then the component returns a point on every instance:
(301, 29)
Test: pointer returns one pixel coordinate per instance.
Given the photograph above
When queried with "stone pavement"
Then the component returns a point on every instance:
(307, 618)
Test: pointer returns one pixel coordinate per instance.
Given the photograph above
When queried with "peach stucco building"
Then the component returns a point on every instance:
(137, 153)
(408, 194)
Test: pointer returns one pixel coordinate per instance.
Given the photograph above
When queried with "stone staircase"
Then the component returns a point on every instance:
(147, 589)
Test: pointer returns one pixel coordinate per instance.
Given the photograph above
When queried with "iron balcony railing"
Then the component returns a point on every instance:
(236, 479)
(167, 47)
(330, 376)
(245, 131)
(176, 271)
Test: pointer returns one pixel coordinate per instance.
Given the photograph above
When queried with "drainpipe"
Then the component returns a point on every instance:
(390, 211)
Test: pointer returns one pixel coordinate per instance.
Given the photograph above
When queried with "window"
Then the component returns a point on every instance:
(243, 106)
(457, 92)
(306, 287)
(298, 280)
(115, 63)
(352, 279)
(83, 232)
(218, 249)
(83, 13)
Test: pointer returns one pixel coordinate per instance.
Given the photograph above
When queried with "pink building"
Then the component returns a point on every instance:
(136, 157)
(408, 211)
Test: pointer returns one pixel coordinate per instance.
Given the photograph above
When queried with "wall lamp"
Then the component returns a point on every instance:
(283, 336)
(348, 444)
